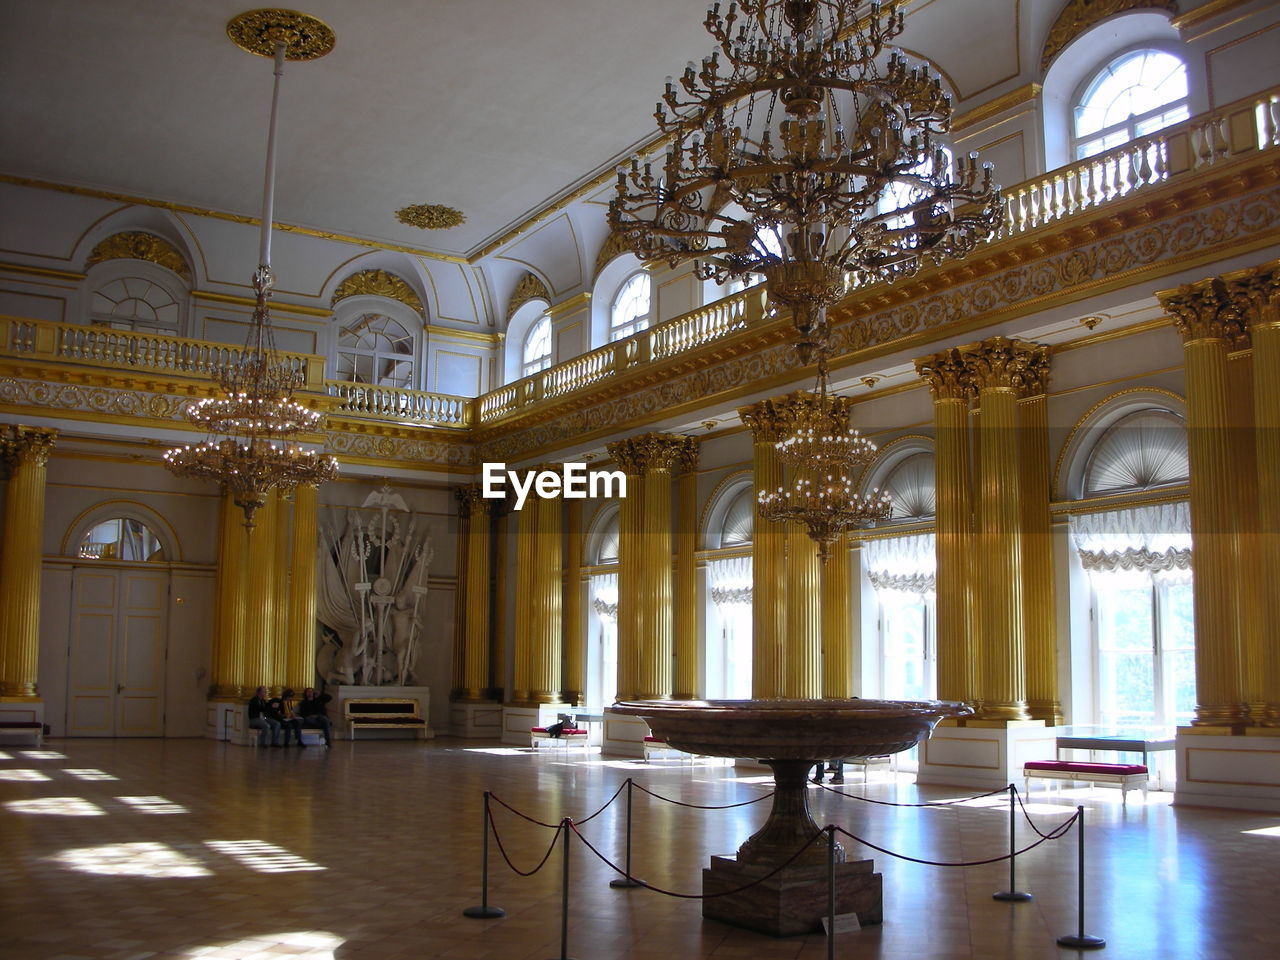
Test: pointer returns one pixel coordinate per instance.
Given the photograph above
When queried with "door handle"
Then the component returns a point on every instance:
(119, 687)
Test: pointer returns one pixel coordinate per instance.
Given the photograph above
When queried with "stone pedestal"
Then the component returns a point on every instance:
(794, 900)
(475, 720)
(623, 735)
(984, 754)
(1219, 769)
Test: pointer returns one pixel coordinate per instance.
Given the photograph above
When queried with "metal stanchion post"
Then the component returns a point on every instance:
(1013, 894)
(1081, 940)
(831, 892)
(628, 880)
(484, 911)
(564, 891)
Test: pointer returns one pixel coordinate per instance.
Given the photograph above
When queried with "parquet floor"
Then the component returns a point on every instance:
(133, 849)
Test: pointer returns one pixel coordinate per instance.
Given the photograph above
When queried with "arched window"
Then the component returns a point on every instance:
(1134, 95)
(536, 354)
(135, 303)
(727, 652)
(912, 486)
(1139, 451)
(376, 349)
(631, 308)
(120, 538)
(602, 615)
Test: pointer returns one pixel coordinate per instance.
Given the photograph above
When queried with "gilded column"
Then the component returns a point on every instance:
(631, 458)
(1208, 327)
(837, 622)
(1039, 614)
(282, 576)
(956, 647)
(475, 668)
(27, 451)
(1250, 587)
(575, 623)
(260, 594)
(548, 585)
(228, 636)
(686, 590)
(458, 666)
(498, 666)
(300, 671)
(998, 368)
(522, 679)
(768, 556)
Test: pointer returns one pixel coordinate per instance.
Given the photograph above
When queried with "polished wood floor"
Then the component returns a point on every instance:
(133, 849)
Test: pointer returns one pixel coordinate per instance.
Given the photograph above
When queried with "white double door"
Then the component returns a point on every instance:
(116, 667)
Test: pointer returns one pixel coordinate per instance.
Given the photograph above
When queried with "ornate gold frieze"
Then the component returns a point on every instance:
(136, 245)
(529, 288)
(1079, 15)
(258, 32)
(378, 283)
(431, 216)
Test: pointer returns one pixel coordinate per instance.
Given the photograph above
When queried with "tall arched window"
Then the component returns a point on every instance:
(631, 308)
(602, 615)
(536, 354)
(728, 610)
(1134, 95)
(376, 349)
(140, 303)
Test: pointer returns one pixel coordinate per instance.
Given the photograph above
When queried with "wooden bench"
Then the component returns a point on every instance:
(383, 713)
(1125, 774)
(568, 736)
(31, 730)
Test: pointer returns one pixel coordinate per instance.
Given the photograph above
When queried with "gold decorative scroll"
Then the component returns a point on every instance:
(430, 216)
(1079, 15)
(379, 283)
(614, 246)
(529, 288)
(135, 245)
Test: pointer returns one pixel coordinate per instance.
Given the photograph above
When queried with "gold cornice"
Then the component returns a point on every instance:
(568, 306)
(42, 271)
(993, 107)
(277, 306)
(1214, 8)
(1077, 16)
(379, 283)
(222, 215)
(450, 333)
(140, 245)
(1117, 501)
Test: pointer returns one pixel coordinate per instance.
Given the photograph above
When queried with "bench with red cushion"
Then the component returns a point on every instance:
(567, 736)
(1125, 774)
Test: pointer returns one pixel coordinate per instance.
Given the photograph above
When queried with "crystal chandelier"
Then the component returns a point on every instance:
(253, 425)
(823, 452)
(803, 127)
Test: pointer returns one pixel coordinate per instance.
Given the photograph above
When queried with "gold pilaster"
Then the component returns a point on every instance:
(837, 622)
(956, 648)
(631, 458)
(1250, 602)
(27, 451)
(281, 574)
(548, 584)
(228, 637)
(1208, 327)
(522, 680)
(768, 556)
(260, 595)
(999, 369)
(575, 622)
(498, 666)
(686, 589)
(300, 666)
(1039, 614)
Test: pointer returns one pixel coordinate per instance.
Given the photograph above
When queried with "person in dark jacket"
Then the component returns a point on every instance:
(262, 718)
(311, 711)
(290, 722)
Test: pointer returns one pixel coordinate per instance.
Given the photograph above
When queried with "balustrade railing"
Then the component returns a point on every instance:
(402, 405)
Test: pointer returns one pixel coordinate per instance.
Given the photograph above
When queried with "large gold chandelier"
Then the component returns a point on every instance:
(805, 150)
(824, 455)
(254, 424)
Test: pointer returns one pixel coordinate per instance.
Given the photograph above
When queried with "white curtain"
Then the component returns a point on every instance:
(1138, 543)
(906, 564)
(604, 596)
(730, 580)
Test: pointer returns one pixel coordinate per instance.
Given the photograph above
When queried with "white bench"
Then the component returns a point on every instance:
(569, 736)
(1125, 774)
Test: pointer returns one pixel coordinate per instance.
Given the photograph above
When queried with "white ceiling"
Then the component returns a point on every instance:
(491, 106)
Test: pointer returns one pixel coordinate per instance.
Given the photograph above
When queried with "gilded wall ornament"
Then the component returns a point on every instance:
(136, 245)
(1003, 364)
(258, 32)
(614, 246)
(1079, 15)
(529, 288)
(431, 216)
(379, 283)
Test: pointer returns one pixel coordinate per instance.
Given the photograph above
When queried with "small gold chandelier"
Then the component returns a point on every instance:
(823, 452)
(804, 128)
(254, 424)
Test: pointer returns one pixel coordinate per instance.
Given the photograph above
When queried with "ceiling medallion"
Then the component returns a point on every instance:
(430, 216)
(258, 31)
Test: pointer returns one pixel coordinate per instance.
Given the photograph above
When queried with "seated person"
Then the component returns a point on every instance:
(288, 719)
(263, 717)
(311, 711)
(562, 720)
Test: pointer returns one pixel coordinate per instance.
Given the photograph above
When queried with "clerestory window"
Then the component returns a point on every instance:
(1134, 95)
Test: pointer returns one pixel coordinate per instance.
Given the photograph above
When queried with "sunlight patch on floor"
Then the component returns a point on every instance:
(262, 856)
(88, 773)
(27, 775)
(152, 805)
(59, 806)
(303, 945)
(142, 859)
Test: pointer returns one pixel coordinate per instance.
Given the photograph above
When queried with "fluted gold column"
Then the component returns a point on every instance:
(837, 622)
(548, 586)
(1208, 327)
(1250, 586)
(656, 646)
(1264, 329)
(522, 679)
(228, 634)
(1039, 614)
(498, 666)
(575, 622)
(300, 659)
(768, 556)
(260, 596)
(473, 679)
(686, 589)
(998, 367)
(803, 673)
(458, 668)
(282, 574)
(956, 650)
(631, 458)
(27, 451)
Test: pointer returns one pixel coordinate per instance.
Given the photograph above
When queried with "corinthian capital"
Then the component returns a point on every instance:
(1206, 310)
(27, 445)
(471, 501)
(767, 419)
(946, 375)
(1004, 364)
(655, 451)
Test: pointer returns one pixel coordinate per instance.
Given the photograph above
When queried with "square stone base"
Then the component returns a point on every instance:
(794, 900)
